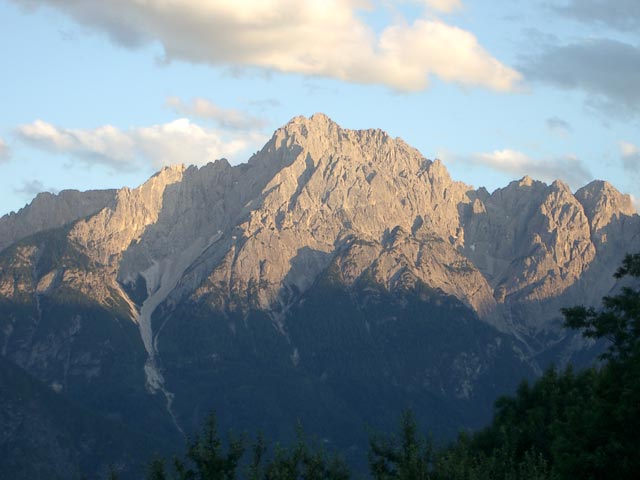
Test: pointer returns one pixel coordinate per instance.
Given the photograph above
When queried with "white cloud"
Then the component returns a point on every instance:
(106, 144)
(179, 141)
(409, 54)
(568, 168)
(5, 151)
(445, 6)
(630, 156)
(190, 143)
(224, 117)
(317, 38)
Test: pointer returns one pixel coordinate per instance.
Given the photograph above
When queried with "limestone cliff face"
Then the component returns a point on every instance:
(514, 255)
(258, 234)
(339, 184)
(48, 211)
(603, 204)
(532, 242)
(104, 236)
(340, 264)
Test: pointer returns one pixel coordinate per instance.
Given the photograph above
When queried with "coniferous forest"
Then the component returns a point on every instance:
(566, 425)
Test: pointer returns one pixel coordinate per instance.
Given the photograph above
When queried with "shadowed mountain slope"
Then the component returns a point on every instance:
(336, 277)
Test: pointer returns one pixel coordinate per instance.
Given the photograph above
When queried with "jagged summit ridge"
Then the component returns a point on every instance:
(257, 235)
(335, 183)
(277, 221)
(47, 211)
(335, 264)
(281, 217)
(601, 201)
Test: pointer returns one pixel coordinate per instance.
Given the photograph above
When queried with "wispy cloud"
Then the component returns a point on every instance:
(607, 71)
(630, 156)
(223, 117)
(568, 168)
(30, 188)
(179, 141)
(105, 144)
(5, 151)
(622, 15)
(326, 39)
(558, 126)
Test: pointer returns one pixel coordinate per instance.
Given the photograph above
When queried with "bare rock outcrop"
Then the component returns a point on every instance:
(335, 269)
(258, 235)
(342, 183)
(48, 211)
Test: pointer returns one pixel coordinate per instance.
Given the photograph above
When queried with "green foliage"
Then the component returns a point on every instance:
(208, 459)
(408, 458)
(258, 451)
(567, 425)
(618, 321)
(530, 420)
(304, 461)
(463, 461)
(156, 470)
(411, 457)
(113, 473)
(601, 437)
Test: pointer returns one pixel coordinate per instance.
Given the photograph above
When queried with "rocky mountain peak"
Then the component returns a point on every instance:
(107, 234)
(259, 231)
(333, 258)
(559, 185)
(169, 172)
(319, 135)
(602, 202)
(316, 122)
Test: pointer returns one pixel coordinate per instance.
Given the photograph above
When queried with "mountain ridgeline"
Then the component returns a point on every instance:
(337, 277)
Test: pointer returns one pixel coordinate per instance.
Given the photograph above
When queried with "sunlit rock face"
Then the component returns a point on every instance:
(48, 211)
(337, 277)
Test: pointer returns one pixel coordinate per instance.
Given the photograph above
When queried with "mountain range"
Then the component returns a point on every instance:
(337, 277)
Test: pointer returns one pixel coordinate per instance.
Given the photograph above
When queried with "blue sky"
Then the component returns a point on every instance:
(102, 94)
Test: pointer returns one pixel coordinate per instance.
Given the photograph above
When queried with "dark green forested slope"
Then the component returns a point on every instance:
(46, 435)
(565, 425)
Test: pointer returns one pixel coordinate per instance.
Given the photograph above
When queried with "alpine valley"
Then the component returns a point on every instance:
(336, 278)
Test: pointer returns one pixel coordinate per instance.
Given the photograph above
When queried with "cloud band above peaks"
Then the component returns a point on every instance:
(179, 141)
(317, 38)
